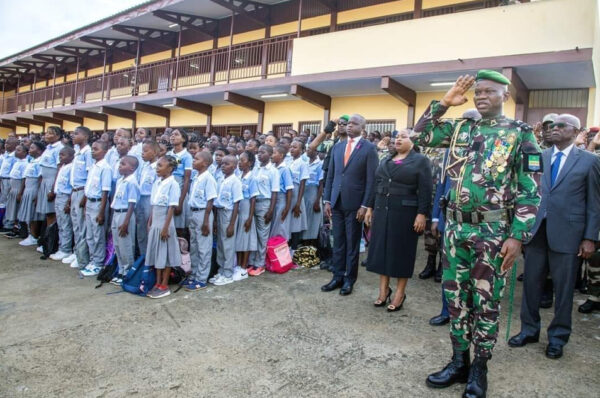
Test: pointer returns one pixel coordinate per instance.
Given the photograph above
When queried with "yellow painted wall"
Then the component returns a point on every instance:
(374, 41)
(47, 125)
(183, 117)
(233, 114)
(146, 59)
(123, 65)
(95, 71)
(196, 47)
(41, 84)
(371, 107)
(149, 120)
(442, 3)
(379, 10)
(315, 22)
(24, 89)
(93, 124)
(115, 122)
(21, 130)
(284, 28)
(247, 36)
(36, 129)
(70, 126)
(277, 112)
(4, 132)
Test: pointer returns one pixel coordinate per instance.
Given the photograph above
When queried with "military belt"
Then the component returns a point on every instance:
(476, 217)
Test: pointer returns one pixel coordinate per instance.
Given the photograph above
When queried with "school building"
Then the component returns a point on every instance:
(272, 65)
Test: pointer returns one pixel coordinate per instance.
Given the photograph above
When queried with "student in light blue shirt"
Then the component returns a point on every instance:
(123, 227)
(202, 194)
(27, 216)
(183, 175)
(313, 194)
(82, 164)
(300, 174)
(7, 164)
(48, 164)
(62, 201)
(281, 222)
(17, 185)
(245, 235)
(227, 204)
(97, 189)
(147, 177)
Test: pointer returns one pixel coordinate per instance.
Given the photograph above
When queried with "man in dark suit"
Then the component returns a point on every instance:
(348, 193)
(566, 227)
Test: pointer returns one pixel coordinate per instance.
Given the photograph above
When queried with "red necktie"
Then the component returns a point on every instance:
(348, 151)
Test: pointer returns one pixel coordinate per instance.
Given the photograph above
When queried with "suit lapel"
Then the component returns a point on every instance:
(354, 152)
(569, 163)
(547, 159)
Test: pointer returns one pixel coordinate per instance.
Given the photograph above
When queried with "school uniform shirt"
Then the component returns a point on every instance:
(267, 180)
(111, 156)
(62, 184)
(18, 170)
(315, 172)
(99, 180)
(229, 193)
(33, 169)
(204, 188)
(285, 178)
(82, 163)
(218, 176)
(136, 150)
(288, 159)
(115, 170)
(184, 162)
(127, 192)
(7, 164)
(249, 188)
(299, 170)
(50, 156)
(147, 178)
(165, 192)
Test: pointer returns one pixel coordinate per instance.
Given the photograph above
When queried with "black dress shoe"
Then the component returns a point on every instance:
(457, 371)
(546, 302)
(477, 383)
(522, 339)
(346, 289)
(554, 351)
(439, 320)
(429, 269)
(363, 263)
(589, 306)
(520, 277)
(334, 284)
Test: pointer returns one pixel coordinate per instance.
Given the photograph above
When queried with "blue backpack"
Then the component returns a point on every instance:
(140, 278)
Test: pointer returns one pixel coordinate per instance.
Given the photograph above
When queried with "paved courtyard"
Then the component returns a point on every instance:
(276, 335)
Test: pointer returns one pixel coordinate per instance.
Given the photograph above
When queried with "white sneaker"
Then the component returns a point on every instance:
(69, 259)
(239, 274)
(90, 270)
(222, 281)
(74, 264)
(40, 249)
(214, 278)
(58, 256)
(29, 241)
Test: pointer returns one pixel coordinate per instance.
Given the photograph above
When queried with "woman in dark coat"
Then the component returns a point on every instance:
(402, 199)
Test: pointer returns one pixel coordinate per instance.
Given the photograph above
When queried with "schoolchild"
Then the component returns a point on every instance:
(62, 202)
(146, 182)
(27, 214)
(313, 194)
(182, 175)
(300, 173)
(281, 222)
(17, 186)
(245, 235)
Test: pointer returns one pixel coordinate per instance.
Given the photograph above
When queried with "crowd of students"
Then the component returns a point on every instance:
(146, 193)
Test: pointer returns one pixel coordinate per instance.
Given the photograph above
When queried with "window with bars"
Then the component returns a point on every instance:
(314, 126)
(233, 129)
(282, 128)
(381, 125)
(570, 98)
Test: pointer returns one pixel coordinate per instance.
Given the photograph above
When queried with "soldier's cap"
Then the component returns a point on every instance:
(549, 118)
(486, 74)
(345, 117)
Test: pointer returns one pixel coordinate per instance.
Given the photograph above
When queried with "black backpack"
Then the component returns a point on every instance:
(108, 272)
(49, 241)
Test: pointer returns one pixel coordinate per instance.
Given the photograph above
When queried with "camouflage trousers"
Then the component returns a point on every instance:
(593, 268)
(473, 284)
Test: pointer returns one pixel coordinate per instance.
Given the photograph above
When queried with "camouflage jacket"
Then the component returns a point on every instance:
(486, 164)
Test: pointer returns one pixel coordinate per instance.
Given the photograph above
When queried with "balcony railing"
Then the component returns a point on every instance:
(249, 61)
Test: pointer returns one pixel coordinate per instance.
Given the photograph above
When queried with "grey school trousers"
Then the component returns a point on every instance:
(65, 236)
(124, 245)
(95, 235)
(200, 245)
(225, 246)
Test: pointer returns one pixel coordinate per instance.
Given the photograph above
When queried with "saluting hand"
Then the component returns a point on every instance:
(456, 95)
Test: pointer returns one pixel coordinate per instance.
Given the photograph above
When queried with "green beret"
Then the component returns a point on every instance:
(486, 74)
(345, 117)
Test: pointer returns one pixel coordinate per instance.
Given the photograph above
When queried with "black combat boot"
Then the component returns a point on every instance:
(457, 371)
(438, 272)
(429, 269)
(477, 383)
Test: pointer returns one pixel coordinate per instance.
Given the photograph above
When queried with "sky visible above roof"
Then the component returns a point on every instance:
(26, 23)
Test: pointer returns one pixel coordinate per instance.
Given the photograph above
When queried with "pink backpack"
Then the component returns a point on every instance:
(278, 258)
(186, 260)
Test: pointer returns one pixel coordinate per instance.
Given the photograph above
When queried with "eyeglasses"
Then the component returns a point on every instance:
(561, 125)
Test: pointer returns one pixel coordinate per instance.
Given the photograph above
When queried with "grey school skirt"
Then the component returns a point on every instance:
(162, 253)
(183, 219)
(27, 211)
(48, 176)
(245, 241)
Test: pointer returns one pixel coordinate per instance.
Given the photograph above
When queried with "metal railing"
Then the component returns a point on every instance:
(255, 60)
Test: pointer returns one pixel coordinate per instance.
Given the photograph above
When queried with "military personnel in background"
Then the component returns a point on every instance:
(543, 131)
(494, 166)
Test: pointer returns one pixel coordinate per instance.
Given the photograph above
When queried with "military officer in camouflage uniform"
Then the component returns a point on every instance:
(494, 166)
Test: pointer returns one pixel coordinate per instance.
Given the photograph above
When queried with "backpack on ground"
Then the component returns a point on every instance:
(278, 257)
(186, 260)
(109, 271)
(50, 240)
(306, 256)
(140, 278)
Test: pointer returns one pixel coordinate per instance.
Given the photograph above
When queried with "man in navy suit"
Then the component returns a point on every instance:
(348, 193)
(566, 227)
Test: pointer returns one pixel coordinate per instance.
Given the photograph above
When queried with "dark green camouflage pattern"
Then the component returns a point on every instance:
(593, 271)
